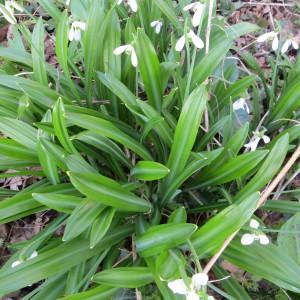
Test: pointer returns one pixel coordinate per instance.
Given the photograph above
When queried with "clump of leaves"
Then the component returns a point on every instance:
(140, 151)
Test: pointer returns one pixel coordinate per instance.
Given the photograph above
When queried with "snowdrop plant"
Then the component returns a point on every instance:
(270, 36)
(75, 31)
(131, 3)
(129, 50)
(190, 38)
(197, 8)
(257, 136)
(191, 291)
(140, 174)
(256, 235)
(287, 44)
(156, 25)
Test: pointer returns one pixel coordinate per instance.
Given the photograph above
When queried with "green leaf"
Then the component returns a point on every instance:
(19, 131)
(188, 122)
(97, 293)
(108, 129)
(81, 218)
(126, 277)
(268, 262)
(60, 128)
(108, 192)
(56, 260)
(149, 170)
(178, 216)
(37, 51)
(288, 239)
(101, 225)
(162, 237)
(268, 169)
(231, 170)
(150, 69)
(51, 9)
(58, 202)
(213, 233)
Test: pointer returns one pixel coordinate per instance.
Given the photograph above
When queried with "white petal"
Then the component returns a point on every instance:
(286, 46)
(158, 27)
(119, 2)
(68, 2)
(266, 36)
(266, 139)
(192, 296)
(198, 15)
(33, 255)
(71, 33)
(199, 279)
(241, 104)
(189, 6)
(253, 144)
(263, 239)
(275, 43)
(210, 298)
(77, 34)
(295, 45)
(178, 287)
(180, 44)
(120, 49)
(154, 23)
(134, 59)
(16, 263)
(196, 40)
(254, 224)
(247, 239)
(133, 5)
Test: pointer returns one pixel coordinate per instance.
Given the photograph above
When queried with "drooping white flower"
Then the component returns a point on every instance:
(178, 286)
(287, 44)
(241, 104)
(249, 238)
(156, 25)
(129, 50)
(195, 39)
(8, 10)
(198, 9)
(132, 4)
(270, 36)
(75, 30)
(18, 262)
(257, 136)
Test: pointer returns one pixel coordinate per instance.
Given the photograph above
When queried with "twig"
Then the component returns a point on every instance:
(261, 202)
(268, 4)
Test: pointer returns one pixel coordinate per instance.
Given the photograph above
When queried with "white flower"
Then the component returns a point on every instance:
(18, 262)
(241, 104)
(286, 45)
(129, 50)
(257, 136)
(9, 9)
(132, 4)
(249, 238)
(196, 40)
(270, 36)
(198, 9)
(75, 30)
(178, 286)
(156, 25)
(68, 2)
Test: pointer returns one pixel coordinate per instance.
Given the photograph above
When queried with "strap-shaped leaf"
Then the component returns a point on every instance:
(108, 129)
(126, 277)
(163, 237)
(150, 69)
(108, 192)
(149, 170)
